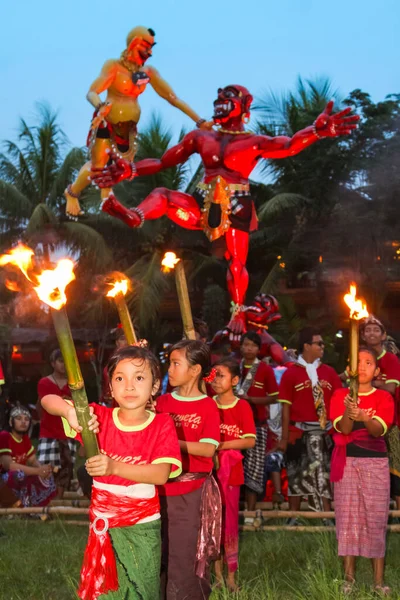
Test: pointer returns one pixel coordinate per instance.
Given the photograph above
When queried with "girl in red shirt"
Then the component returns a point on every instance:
(191, 504)
(139, 451)
(238, 432)
(360, 472)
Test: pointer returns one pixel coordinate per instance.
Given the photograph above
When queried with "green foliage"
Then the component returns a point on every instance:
(215, 300)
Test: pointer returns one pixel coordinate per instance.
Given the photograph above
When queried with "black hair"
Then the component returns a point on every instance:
(201, 328)
(197, 353)
(306, 337)
(55, 355)
(252, 336)
(120, 333)
(370, 351)
(151, 31)
(232, 366)
(135, 353)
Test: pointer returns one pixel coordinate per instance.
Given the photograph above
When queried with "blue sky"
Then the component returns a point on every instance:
(52, 51)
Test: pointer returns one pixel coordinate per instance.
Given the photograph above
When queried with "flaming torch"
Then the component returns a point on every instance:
(118, 292)
(171, 262)
(50, 287)
(358, 311)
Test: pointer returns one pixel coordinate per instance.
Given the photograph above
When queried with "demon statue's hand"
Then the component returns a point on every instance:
(116, 171)
(332, 125)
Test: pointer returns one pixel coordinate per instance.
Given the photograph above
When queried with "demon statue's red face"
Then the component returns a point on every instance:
(262, 312)
(233, 104)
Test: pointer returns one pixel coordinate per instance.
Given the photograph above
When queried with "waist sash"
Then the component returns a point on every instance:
(99, 570)
(361, 438)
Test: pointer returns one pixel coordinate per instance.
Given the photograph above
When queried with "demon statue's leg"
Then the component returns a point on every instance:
(99, 158)
(177, 206)
(237, 247)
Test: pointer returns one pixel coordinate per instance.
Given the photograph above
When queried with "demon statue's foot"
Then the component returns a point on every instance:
(237, 324)
(132, 217)
(73, 209)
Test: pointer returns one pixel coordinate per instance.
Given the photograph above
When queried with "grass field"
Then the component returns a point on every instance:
(41, 561)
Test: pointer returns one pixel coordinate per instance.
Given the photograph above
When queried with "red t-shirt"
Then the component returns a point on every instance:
(19, 450)
(236, 422)
(389, 366)
(196, 420)
(378, 404)
(296, 389)
(50, 425)
(264, 384)
(151, 443)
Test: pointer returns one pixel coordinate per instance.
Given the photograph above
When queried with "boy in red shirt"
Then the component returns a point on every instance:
(374, 334)
(305, 392)
(258, 386)
(54, 447)
(20, 470)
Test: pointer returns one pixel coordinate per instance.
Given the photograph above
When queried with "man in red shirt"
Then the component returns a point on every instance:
(258, 386)
(54, 447)
(305, 392)
(374, 334)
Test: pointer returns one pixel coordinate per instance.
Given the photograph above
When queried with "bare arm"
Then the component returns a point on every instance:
(242, 444)
(198, 448)
(163, 89)
(9, 465)
(174, 156)
(265, 400)
(101, 465)
(388, 387)
(285, 427)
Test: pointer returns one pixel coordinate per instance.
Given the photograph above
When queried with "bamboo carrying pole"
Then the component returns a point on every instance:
(353, 360)
(75, 379)
(184, 302)
(125, 318)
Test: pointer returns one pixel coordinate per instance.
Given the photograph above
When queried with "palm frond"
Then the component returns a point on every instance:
(150, 286)
(280, 203)
(270, 283)
(89, 244)
(41, 218)
(13, 202)
(65, 174)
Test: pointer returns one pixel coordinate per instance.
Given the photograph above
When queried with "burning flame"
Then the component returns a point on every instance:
(13, 286)
(50, 284)
(118, 287)
(169, 261)
(358, 310)
(20, 256)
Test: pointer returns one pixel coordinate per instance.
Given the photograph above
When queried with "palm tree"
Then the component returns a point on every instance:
(33, 176)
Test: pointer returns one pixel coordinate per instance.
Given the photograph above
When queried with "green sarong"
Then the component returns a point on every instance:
(138, 556)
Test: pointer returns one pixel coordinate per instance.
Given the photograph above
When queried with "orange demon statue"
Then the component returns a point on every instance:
(221, 205)
(114, 124)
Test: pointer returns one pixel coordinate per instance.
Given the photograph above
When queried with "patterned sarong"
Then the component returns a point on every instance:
(362, 507)
(254, 460)
(32, 490)
(308, 467)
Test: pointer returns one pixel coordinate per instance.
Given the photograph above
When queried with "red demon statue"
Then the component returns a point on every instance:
(221, 205)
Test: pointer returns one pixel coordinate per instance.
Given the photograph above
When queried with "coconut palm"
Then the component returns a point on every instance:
(33, 175)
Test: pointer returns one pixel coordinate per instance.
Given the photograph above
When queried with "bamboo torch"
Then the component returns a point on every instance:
(358, 311)
(171, 262)
(50, 287)
(118, 292)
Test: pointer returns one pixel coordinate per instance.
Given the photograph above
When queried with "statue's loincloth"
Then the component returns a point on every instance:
(122, 135)
(225, 205)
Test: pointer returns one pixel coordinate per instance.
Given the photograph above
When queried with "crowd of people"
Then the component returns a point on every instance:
(165, 489)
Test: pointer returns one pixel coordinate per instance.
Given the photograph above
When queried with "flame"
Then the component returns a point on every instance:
(13, 286)
(118, 287)
(358, 310)
(169, 261)
(20, 256)
(52, 283)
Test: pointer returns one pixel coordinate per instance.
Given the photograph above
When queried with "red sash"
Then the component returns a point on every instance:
(99, 569)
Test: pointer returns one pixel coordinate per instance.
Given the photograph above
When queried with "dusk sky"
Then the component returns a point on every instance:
(53, 51)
